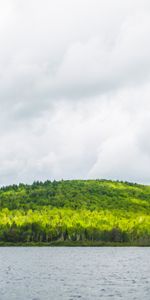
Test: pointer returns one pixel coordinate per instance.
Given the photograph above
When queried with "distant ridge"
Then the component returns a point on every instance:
(75, 211)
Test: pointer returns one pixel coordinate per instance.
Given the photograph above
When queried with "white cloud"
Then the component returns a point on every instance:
(74, 90)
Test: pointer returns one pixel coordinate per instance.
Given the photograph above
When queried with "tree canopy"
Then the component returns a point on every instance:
(75, 210)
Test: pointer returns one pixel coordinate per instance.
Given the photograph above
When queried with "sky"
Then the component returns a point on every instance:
(74, 90)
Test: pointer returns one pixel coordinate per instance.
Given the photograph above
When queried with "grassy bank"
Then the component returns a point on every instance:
(72, 244)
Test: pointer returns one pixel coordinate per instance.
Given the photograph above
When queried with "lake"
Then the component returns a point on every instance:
(69, 273)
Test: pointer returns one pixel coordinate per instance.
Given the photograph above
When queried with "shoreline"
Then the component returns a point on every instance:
(73, 244)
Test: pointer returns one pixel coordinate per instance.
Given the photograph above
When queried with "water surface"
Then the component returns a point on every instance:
(74, 273)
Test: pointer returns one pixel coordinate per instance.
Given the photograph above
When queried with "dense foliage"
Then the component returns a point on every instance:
(77, 210)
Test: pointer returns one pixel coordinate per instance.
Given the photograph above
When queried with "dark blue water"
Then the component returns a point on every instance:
(74, 273)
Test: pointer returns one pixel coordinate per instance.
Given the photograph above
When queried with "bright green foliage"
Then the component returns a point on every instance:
(78, 210)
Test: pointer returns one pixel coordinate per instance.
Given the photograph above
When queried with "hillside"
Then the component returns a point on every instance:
(76, 211)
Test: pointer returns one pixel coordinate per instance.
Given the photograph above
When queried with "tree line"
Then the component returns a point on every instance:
(77, 210)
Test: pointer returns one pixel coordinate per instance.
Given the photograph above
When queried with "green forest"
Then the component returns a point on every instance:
(75, 212)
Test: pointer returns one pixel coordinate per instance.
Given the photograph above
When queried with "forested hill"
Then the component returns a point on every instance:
(77, 194)
(75, 211)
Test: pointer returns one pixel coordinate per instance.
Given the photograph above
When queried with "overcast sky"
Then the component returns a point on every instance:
(74, 90)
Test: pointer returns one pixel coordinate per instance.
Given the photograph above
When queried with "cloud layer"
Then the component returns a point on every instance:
(74, 90)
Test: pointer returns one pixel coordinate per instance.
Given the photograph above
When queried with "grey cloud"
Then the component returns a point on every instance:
(74, 90)
(44, 58)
